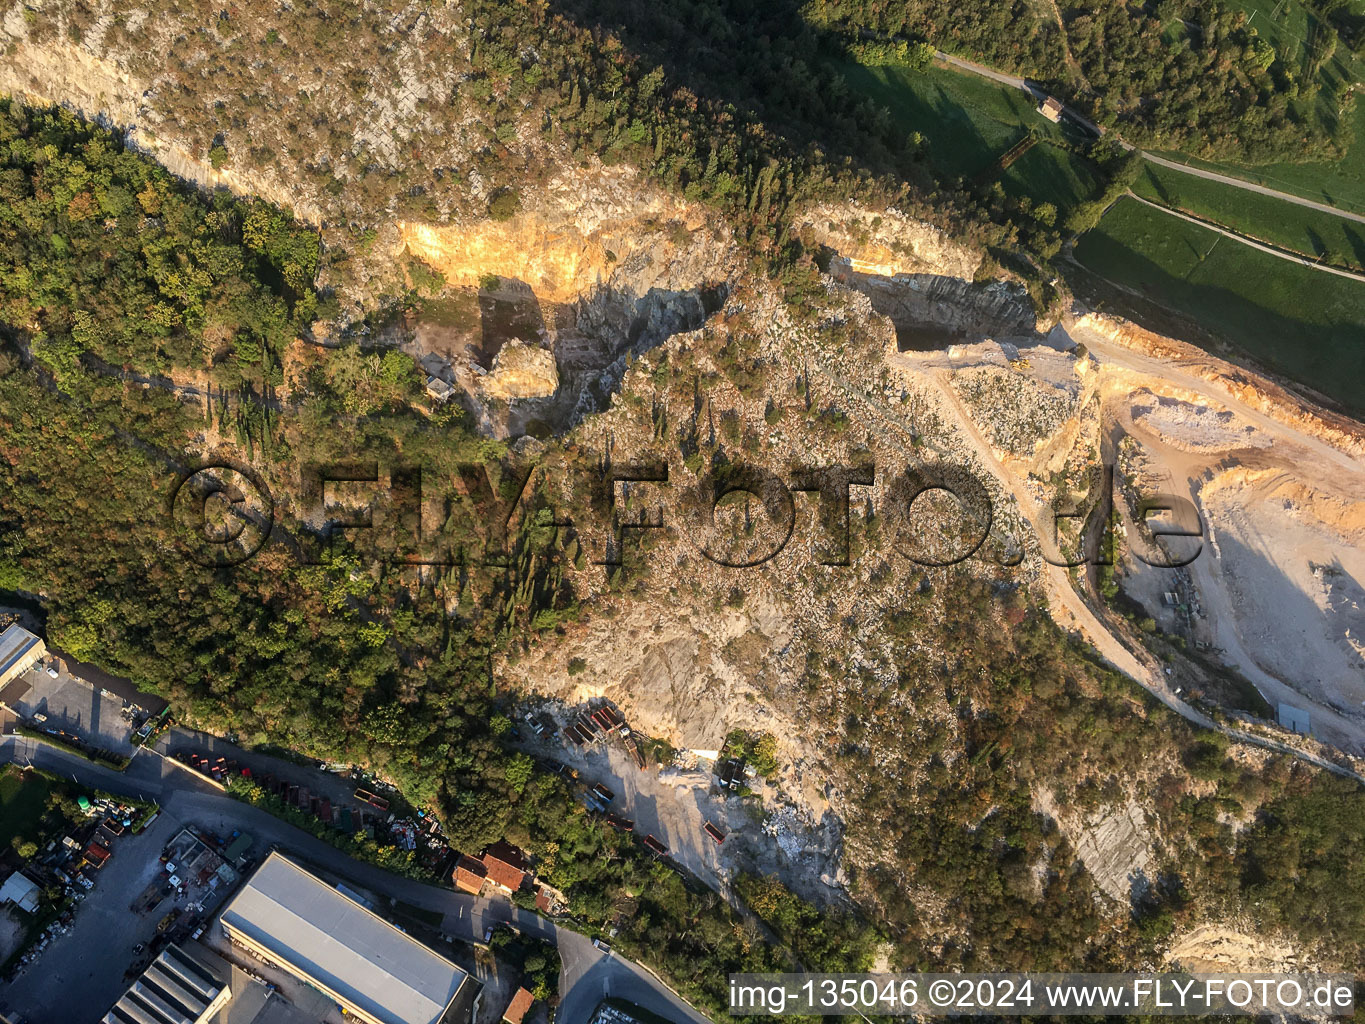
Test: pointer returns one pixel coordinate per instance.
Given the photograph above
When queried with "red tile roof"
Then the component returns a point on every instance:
(504, 874)
(469, 874)
(516, 1010)
(506, 865)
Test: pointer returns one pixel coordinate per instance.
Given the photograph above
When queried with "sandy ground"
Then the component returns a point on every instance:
(1293, 583)
(1279, 579)
(1278, 591)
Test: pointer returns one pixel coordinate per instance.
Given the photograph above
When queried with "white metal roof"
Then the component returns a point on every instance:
(175, 989)
(18, 645)
(21, 891)
(305, 923)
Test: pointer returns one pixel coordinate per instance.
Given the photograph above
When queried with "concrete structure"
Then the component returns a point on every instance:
(291, 918)
(20, 650)
(20, 891)
(1295, 719)
(175, 989)
(439, 389)
(1051, 108)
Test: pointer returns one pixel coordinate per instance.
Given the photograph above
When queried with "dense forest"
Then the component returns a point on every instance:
(344, 663)
(92, 232)
(1174, 74)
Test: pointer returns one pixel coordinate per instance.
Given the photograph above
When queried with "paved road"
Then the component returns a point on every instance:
(1283, 254)
(1039, 94)
(1251, 186)
(588, 974)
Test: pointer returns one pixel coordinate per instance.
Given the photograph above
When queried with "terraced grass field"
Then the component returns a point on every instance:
(1304, 324)
(1339, 183)
(968, 123)
(1336, 239)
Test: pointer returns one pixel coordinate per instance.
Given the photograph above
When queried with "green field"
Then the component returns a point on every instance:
(1286, 25)
(1271, 220)
(1304, 324)
(968, 122)
(1341, 183)
(23, 804)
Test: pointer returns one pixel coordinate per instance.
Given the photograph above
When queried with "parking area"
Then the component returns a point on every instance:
(51, 699)
(120, 924)
(84, 968)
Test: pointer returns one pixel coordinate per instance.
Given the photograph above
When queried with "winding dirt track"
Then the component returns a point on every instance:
(1068, 606)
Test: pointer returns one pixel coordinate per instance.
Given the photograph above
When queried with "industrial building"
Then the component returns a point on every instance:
(289, 917)
(175, 989)
(20, 650)
(21, 891)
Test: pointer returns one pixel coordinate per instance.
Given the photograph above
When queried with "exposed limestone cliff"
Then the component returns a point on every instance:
(578, 232)
(522, 371)
(61, 73)
(1251, 389)
(888, 243)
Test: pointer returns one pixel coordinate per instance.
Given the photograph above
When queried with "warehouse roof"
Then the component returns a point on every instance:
(307, 925)
(19, 649)
(175, 989)
(20, 891)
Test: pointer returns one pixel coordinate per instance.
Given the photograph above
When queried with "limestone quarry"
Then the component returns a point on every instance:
(550, 322)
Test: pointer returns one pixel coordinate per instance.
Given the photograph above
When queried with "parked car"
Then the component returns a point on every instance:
(602, 946)
(715, 833)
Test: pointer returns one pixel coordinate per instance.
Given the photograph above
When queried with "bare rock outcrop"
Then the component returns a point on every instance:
(522, 371)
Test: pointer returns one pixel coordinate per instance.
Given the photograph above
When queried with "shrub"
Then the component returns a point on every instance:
(505, 204)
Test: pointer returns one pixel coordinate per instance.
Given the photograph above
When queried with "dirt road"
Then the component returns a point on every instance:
(1068, 606)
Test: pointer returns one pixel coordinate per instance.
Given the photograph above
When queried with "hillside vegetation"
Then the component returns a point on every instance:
(944, 706)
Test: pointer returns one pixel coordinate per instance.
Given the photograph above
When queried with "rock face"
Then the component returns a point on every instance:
(888, 243)
(584, 229)
(932, 310)
(575, 365)
(58, 72)
(597, 266)
(522, 371)
(1255, 391)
